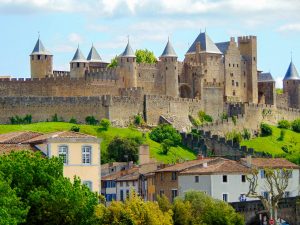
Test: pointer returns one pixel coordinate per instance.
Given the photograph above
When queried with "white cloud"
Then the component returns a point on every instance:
(75, 38)
(295, 27)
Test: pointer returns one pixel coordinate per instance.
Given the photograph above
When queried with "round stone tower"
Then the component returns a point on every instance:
(127, 63)
(78, 65)
(169, 67)
(41, 61)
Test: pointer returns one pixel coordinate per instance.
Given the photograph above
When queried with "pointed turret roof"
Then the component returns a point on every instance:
(128, 52)
(291, 73)
(94, 55)
(78, 56)
(207, 45)
(169, 50)
(39, 49)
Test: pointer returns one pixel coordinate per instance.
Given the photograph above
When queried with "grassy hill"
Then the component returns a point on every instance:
(273, 145)
(174, 154)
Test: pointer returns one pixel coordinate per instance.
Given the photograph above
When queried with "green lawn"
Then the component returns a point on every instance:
(174, 154)
(273, 145)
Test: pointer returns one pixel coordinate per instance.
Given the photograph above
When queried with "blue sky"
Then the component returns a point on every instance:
(63, 24)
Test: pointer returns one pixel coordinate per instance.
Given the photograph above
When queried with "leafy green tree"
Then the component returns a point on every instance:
(296, 125)
(123, 149)
(182, 212)
(265, 129)
(145, 56)
(91, 120)
(105, 123)
(166, 145)
(164, 203)
(113, 62)
(38, 181)
(12, 210)
(73, 120)
(163, 132)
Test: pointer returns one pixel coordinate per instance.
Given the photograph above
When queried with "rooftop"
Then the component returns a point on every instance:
(182, 166)
(272, 163)
(291, 73)
(207, 45)
(78, 56)
(18, 137)
(93, 55)
(223, 46)
(265, 77)
(39, 49)
(169, 51)
(128, 52)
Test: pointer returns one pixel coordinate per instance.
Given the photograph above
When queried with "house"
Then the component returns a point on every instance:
(80, 152)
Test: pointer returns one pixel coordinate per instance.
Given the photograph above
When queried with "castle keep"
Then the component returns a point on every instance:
(211, 76)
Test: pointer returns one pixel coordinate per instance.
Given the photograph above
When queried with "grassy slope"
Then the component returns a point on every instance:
(107, 136)
(272, 145)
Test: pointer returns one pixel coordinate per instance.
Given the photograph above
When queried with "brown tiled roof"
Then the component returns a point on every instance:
(132, 176)
(218, 167)
(8, 148)
(17, 137)
(272, 163)
(182, 166)
(108, 165)
(119, 174)
(59, 134)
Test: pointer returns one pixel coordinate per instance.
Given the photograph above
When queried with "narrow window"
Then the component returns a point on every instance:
(244, 85)
(39, 57)
(32, 57)
(161, 192)
(229, 64)
(122, 195)
(174, 176)
(233, 93)
(127, 184)
(262, 174)
(233, 65)
(127, 193)
(224, 178)
(166, 68)
(121, 184)
(237, 84)
(225, 197)
(86, 155)
(89, 184)
(243, 178)
(63, 153)
(196, 179)
(232, 82)
(253, 58)
(78, 65)
(237, 65)
(174, 194)
(45, 56)
(287, 194)
(161, 176)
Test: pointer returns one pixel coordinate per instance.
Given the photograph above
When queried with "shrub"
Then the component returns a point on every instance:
(138, 120)
(73, 120)
(236, 137)
(196, 122)
(234, 120)
(105, 123)
(21, 120)
(284, 124)
(282, 135)
(246, 134)
(296, 125)
(203, 117)
(165, 131)
(265, 129)
(54, 118)
(75, 128)
(90, 120)
(224, 116)
(166, 145)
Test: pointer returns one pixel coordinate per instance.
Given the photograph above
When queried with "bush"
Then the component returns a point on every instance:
(284, 124)
(282, 135)
(75, 128)
(165, 131)
(21, 120)
(234, 120)
(105, 123)
(224, 116)
(296, 125)
(138, 120)
(54, 118)
(265, 129)
(73, 120)
(203, 117)
(246, 134)
(90, 120)
(196, 122)
(236, 137)
(166, 145)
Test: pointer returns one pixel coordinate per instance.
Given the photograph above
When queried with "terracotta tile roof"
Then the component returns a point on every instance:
(220, 166)
(119, 174)
(108, 165)
(17, 137)
(8, 148)
(59, 134)
(272, 163)
(132, 176)
(182, 166)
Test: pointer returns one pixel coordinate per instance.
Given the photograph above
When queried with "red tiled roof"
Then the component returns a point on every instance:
(17, 137)
(217, 167)
(272, 163)
(8, 148)
(182, 166)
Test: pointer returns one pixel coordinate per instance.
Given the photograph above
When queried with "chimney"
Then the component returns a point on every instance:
(200, 156)
(248, 160)
(144, 155)
(205, 164)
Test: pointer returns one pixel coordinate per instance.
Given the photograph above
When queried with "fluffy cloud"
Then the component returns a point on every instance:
(294, 27)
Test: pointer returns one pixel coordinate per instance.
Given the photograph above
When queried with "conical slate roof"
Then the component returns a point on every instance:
(78, 56)
(291, 73)
(128, 52)
(94, 55)
(169, 51)
(207, 45)
(39, 49)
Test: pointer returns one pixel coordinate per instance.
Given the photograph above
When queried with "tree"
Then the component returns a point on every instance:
(105, 123)
(296, 125)
(166, 145)
(123, 149)
(275, 183)
(145, 56)
(12, 210)
(165, 131)
(284, 124)
(113, 62)
(91, 120)
(51, 198)
(265, 129)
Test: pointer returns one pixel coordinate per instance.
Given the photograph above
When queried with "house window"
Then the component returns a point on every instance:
(161, 193)
(110, 184)
(265, 194)
(133, 183)
(225, 197)
(121, 195)
(290, 173)
(243, 178)
(244, 73)
(86, 155)
(174, 194)
(233, 65)
(32, 57)
(196, 179)
(232, 82)
(254, 58)
(262, 174)
(174, 176)
(127, 184)
(63, 153)
(224, 178)
(88, 183)
(229, 64)
(237, 65)
(287, 194)
(161, 176)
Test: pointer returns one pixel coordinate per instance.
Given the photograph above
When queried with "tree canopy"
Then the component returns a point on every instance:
(145, 56)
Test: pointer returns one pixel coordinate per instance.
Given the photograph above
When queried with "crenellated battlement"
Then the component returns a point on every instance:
(169, 98)
(246, 39)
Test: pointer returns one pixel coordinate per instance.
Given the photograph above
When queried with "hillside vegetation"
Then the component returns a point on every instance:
(175, 153)
(289, 147)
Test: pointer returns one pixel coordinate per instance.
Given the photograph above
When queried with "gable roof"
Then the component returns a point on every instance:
(78, 56)
(265, 77)
(272, 163)
(94, 55)
(39, 49)
(169, 51)
(291, 73)
(207, 45)
(182, 166)
(223, 46)
(128, 52)
(17, 137)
